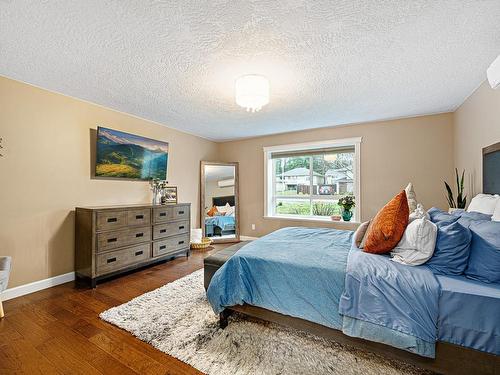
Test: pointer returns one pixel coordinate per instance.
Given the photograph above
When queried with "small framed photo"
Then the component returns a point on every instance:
(170, 195)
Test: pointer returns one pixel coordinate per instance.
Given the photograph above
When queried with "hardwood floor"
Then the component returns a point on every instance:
(58, 331)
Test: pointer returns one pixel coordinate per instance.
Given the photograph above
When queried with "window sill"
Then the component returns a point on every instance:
(311, 219)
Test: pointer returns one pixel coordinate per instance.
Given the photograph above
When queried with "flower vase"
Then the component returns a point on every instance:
(346, 215)
(156, 199)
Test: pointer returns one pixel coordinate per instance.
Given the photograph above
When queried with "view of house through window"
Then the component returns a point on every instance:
(311, 182)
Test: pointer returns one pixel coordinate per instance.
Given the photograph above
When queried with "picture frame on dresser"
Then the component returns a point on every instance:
(169, 195)
(112, 240)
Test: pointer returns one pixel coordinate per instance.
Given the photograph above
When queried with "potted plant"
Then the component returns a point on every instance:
(347, 203)
(158, 188)
(461, 198)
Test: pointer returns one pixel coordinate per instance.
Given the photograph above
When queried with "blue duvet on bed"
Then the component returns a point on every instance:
(469, 312)
(294, 271)
(382, 293)
(223, 222)
(314, 274)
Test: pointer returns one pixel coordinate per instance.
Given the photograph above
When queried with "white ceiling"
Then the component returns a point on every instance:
(328, 62)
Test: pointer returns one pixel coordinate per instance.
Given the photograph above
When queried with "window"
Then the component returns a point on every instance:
(306, 180)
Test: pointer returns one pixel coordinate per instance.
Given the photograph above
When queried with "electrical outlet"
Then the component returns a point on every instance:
(253, 226)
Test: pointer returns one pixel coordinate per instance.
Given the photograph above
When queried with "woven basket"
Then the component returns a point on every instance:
(205, 242)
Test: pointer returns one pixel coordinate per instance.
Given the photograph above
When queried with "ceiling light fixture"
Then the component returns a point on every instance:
(252, 92)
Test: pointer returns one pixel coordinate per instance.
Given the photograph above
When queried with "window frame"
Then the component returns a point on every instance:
(270, 197)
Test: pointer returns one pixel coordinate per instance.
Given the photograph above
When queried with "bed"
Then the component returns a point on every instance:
(316, 280)
(221, 225)
(265, 293)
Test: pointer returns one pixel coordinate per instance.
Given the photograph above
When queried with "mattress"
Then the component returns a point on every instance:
(469, 313)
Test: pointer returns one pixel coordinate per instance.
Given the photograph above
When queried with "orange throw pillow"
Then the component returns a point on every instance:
(388, 226)
(212, 211)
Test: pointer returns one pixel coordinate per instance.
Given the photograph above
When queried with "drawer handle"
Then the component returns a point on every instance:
(111, 260)
(181, 227)
(163, 230)
(139, 217)
(112, 240)
(163, 247)
(137, 235)
(181, 242)
(163, 214)
(137, 253)
(181, 212)
(112, 220)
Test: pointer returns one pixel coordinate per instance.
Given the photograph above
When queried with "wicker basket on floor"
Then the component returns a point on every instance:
(205, 242)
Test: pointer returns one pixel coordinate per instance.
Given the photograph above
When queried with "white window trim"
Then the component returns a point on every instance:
(268, 196)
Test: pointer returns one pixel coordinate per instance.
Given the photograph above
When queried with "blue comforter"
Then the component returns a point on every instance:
(223, 222)
(294, 271)
(381, 293)
(301, 272)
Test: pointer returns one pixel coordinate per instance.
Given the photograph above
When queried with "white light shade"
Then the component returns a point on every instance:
(252, 92)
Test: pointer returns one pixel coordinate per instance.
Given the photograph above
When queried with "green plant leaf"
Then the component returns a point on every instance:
(451, 201)
(462, 182)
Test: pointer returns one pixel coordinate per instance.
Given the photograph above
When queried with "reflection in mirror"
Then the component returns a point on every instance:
(219, 201)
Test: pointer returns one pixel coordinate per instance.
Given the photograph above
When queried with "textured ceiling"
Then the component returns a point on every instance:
(328, 62)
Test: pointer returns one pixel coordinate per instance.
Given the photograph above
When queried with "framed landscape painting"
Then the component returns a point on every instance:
(128, 156)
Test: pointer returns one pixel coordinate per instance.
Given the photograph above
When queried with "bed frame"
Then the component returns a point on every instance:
(491, 169)
(450, 358)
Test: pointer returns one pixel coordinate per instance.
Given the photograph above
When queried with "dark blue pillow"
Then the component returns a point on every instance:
(439, 215)
(475, 216)
(452, 247)
(484, 261)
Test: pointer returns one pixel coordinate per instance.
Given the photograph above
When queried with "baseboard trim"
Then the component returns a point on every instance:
(35, 286)
(247, 238)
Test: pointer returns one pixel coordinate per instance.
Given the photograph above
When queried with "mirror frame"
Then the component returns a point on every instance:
(236, 199)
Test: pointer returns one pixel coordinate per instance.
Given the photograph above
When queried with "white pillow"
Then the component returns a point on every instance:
(417, 244)
(230, 211)
(222, 209)
(496, 213)
(419, 213)
(411, 197)
(483, 203)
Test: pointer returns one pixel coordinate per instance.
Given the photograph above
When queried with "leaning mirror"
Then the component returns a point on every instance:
(219, 201)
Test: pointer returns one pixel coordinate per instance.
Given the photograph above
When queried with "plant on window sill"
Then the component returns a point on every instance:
(347, 203)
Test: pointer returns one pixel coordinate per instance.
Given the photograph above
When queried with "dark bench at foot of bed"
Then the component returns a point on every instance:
(450, 358)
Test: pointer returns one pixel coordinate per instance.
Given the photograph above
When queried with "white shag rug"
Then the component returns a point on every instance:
(178, 320)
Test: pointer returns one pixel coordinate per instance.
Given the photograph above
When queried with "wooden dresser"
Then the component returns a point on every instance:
(115, 239)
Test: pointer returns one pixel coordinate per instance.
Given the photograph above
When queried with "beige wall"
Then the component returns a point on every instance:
(45, 173)
(476, 125)
(418, 149)
(46, 170)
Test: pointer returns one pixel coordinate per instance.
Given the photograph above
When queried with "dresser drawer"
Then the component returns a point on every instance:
(139, 217)
(116, 260)
(169, 213)
(124, 237)
(170, 245)
(111, 219)
(170, 229)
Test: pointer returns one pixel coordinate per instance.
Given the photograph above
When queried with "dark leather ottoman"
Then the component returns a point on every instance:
(213, 262)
